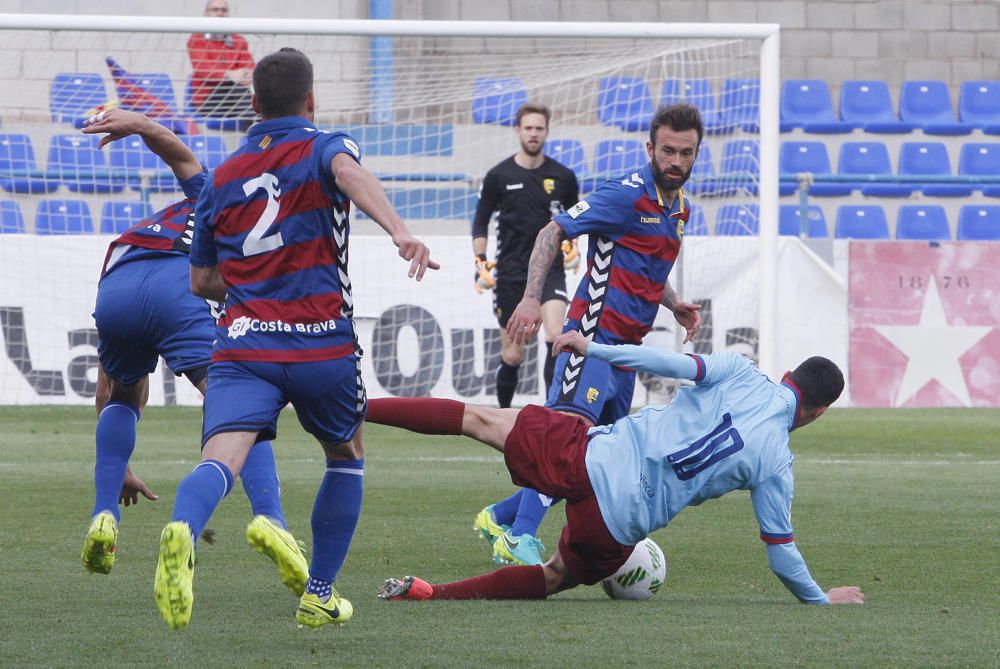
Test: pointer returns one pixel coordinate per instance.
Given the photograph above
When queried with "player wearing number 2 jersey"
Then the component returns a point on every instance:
(625, 480)
(271, 231)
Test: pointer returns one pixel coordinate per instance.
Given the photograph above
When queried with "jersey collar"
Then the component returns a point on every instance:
(279, 124)
(679, 205)
(795, 407)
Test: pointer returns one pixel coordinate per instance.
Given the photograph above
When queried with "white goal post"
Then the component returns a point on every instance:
(421, 80)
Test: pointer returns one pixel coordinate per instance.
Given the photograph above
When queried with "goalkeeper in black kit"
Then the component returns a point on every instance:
(527, 190)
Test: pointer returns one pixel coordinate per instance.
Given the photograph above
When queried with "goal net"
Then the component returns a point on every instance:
(431, 105)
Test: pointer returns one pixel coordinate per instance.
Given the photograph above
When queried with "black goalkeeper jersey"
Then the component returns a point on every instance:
(526, 201)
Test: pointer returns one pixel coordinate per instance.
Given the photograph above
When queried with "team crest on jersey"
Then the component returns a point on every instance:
(592, 394)
(578, 209)
(264, 142)
(549, 185)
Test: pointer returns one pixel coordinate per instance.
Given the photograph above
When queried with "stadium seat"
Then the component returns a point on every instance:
(624, 102)
(930, 159)
(402, 139)
(17, 161)
(212, 123)
(155, 83)
(870, 158)
(979, 105)
(63, 217)
(861, 222)
(798, 157)
(441, 203)
(741, 159)
(789, 224)
(497, 100)
(977, 222)
(981, 160)
(130, 155)
(922, 221)
(807, 104)
(569, 152)
(11, 220)
(209, 149)
(739, 103)
(696, 224)
(699, 93)
(117, 217)
(615, 157)
(928, 105)
(73, 94)
(736, 220)
(81, 166)
(703, 181)
(868, 105)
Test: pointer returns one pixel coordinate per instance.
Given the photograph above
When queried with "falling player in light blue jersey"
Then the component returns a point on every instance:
(729, 431)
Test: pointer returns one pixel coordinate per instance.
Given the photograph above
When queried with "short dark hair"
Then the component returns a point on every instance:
(533, 108)
(680, 117)
(819, 381)
(282, 82)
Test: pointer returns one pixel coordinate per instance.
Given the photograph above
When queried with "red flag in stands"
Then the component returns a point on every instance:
(152, 95)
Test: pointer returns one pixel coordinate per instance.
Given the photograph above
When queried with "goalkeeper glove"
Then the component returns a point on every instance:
(484, 274)
(571, 255)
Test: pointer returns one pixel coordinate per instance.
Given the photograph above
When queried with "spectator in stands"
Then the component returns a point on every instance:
(223, 70)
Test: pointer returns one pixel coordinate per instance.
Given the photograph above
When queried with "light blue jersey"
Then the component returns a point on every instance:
(727, 432)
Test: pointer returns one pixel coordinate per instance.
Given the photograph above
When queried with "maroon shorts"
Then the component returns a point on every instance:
(546, 450)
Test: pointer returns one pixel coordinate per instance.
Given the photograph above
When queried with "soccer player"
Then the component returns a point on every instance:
(528, 189)
(636, 224)
(145, 310)
(271, 238)
(624, 480)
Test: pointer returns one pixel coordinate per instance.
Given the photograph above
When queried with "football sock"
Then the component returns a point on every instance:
(418, 414)
(522, 582)
(261, 484)
(505, 510)
(549, 367)
(200, 492)
(115, 438)
(530, 512)
(320, 587)
(335, 515)
(506, 383)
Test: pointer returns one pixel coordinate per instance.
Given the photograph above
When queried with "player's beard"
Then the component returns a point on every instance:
(532, 152)
(666, 182)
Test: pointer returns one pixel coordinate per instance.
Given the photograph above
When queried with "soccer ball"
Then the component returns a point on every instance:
(642, 574)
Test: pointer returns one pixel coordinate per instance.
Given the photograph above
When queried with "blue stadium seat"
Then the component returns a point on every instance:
(736, 220)
(702, 181)
(625, 102)
(11, 220)
(117, 217)
(983, 160)
(17, 157)
(81, 166)
(131, 157)
(861, 222)
(922, 221)
(807, 104)
(867, 104)
(569, 152)
(442, 203)
(497, 100)
(63, 217)
(73, 94)
(870, 158)
(402, 139)
(209, 149)
(811, 157)
(930, 159)
(789, 224)
(741, 158)
(212, 123)
(979, 105)
(928, 105)
(696, 224)
(977, 222)
(699, 93)
(155, 83)
(739, 103)
(615, 157)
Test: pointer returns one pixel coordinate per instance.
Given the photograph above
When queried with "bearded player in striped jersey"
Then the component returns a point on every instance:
(145, 310)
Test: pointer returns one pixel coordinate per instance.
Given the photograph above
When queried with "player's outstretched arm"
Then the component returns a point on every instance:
(527, 317)
(687, 314)
(132, 487)
(640, 358)
(119, 123)
(366, 192)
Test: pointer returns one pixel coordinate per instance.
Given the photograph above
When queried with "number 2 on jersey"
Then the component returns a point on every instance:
(256, 243)
(720, 443)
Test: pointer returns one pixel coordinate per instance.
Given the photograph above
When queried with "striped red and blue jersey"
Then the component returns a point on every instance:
(634, 240)
(273, 221)
(167, 232)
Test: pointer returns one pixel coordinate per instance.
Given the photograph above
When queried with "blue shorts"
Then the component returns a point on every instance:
(145, 309)
(594, 389)
(328, 396)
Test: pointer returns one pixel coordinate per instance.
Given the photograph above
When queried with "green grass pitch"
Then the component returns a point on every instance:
(904, 503)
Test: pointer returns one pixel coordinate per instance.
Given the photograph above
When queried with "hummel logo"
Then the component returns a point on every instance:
(515, 186)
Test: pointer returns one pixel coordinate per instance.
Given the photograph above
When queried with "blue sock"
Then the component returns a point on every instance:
(530, 513)
(505, 510)
(115, 438)
(200, 492)
(335, 515)
(261, 484)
